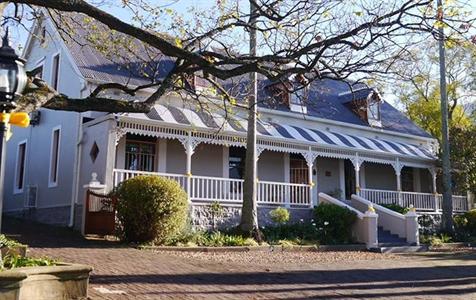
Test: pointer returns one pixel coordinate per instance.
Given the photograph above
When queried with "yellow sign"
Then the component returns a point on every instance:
(20, 119)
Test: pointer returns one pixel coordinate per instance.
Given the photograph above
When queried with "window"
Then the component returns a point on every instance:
(140, 155)
(38, 71)
(20, 167)
(236, 162)
(43, 35)
(54, 157)
(55, 71)
(373, 109)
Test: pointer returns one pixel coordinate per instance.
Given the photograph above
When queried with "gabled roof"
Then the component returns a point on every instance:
(139, 65)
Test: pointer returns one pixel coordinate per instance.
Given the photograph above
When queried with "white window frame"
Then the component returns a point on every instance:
(57, 54)
(58, 150)
(17, 190)
(41, 63)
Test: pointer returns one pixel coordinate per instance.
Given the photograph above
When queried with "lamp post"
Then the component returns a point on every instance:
(12, 82)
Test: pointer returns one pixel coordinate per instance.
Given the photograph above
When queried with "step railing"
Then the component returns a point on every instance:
(364, 229)
(228, 190)
(405, 226)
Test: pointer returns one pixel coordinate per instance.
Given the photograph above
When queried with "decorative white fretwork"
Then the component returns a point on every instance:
(120, 132)
(397, 166)
(310, 152)
(357, 161)
(310, 156)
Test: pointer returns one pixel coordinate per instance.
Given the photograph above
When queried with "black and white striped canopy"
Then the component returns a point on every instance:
(202, 119)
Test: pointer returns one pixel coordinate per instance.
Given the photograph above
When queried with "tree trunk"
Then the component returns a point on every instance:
(249, 213)
(447, 220)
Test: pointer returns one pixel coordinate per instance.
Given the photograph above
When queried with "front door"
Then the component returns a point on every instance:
(349, 173)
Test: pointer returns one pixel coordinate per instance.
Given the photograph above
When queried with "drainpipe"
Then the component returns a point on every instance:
(76, 170)
(77, 161)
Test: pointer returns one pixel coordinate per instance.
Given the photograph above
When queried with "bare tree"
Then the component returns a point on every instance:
(319, 39)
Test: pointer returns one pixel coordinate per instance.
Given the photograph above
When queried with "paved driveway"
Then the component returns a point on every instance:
(126, 273)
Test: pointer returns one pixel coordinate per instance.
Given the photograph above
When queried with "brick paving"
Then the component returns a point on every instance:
(125, 273)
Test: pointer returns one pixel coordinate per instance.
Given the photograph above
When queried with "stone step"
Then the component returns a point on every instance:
(400, 249)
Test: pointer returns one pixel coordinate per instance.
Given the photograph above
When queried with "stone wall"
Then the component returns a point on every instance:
(203, 216)
(53, 215)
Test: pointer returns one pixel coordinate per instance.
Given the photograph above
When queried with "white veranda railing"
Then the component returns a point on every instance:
(421, 201)
(228, 190)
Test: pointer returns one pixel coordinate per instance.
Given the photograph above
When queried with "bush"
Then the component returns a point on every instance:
(334, 223)
(279, 215)
(465, 225)
(299, 233)
(214, 239)
(7, 242)
(396, 207)
(15, 261)
(151, 208)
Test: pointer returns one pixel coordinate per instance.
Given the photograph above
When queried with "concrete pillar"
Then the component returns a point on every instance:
(411, 227)
(287, 178)
(435, 191)
(342, 178)
(371, 228)
(162, 156)
(398, 173)
(357, 178)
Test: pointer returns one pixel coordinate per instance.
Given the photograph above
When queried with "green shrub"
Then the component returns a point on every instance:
(10, 262)
(7, 242)
(465, 225)
(151, 208)
(303, 231)
(436, 240)
(396, 207)
(214, 239)
(279, 215)
(334, 223)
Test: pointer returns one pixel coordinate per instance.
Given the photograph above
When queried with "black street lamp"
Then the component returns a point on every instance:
(12, 82)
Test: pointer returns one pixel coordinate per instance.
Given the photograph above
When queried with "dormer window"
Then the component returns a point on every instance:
(366, 104)
(292, 93)
(374, 101)
(299, 94)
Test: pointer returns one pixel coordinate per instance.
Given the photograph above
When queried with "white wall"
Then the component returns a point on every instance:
(380, 177)
(271, 166)
(37, 163)
(327, 175)
(39, 137)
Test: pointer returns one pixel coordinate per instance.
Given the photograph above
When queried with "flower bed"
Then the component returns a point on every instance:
(25, 278)
(10, 247)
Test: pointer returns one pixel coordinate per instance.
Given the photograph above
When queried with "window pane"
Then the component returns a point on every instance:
(55, 71)
(54, 156)
(140, 156)
(20, 166)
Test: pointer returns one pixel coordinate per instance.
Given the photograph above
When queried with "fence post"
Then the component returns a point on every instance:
(371, 227)
(411, 227)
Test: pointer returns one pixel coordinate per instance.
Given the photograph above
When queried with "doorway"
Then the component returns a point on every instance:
(349, 179)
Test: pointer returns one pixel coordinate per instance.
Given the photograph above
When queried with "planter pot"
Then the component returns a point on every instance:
(12, 251)
(64, 281)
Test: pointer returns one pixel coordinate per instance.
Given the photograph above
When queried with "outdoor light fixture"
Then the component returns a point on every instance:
(12, 82)
(12, 75)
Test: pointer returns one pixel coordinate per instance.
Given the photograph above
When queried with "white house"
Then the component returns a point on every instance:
(337, 142)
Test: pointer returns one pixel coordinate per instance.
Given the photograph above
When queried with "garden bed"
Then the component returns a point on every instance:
(61, 281)
(267, 248)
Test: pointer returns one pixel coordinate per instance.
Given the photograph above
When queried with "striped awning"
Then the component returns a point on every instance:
(200, 118)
